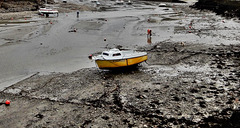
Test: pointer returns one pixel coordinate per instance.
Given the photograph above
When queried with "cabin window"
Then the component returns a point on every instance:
(117, 54)
(106, 54)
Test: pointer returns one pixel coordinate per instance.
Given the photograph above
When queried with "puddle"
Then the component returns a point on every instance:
(88, 25)
(15, 22)
(6, 25)
(179, 28)
(163, 70)
(13, 91)
(185, 68)
(168, 19)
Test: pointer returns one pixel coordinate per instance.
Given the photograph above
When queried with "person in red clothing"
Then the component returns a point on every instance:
(149, 36)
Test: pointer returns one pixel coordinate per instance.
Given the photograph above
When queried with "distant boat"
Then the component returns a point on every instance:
(95, 2)
(119, 2)
(115, 58)
(162, 5)
(47, 11)
(129, 2)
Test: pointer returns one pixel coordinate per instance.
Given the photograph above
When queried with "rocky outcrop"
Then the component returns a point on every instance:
(228, 8)
(21, 5)
(174, 1)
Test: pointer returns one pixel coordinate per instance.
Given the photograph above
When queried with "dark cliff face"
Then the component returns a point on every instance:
(228, 8)
(21, 5)
(174, 1)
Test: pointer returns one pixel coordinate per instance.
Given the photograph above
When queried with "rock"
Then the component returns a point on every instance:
(175, 98)
(105, 117)
(5, 5)
(194, 90)
(202, 104)
(39, 115)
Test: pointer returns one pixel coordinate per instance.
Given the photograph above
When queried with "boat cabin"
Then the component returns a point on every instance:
(114, 53)
(119, 2)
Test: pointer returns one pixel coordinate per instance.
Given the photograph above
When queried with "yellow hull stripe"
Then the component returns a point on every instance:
(120, 63)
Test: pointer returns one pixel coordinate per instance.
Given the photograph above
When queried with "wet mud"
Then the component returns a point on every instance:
(198, 87)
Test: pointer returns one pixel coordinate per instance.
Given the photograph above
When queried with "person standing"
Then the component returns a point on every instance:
(149, 36)
(77, 14)
(149, 32)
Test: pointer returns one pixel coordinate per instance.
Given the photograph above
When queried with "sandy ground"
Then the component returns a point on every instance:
(191, 77)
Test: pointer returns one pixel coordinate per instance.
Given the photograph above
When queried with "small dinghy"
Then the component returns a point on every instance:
(47, 11)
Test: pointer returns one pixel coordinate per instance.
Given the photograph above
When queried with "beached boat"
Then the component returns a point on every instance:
(115, 58)
(119, 2)
(129, 2)
(96, 2)
(162, 5)
(47, 11)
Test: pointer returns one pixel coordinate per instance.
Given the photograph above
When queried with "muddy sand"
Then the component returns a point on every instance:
(182, 84)
(198, 88)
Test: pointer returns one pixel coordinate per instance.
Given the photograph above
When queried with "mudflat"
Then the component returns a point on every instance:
(191, 77)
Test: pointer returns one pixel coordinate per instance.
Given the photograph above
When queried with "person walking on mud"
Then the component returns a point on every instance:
(77, 14)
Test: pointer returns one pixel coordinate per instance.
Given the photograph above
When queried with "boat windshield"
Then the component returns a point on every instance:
(117, 54)
(106, 54)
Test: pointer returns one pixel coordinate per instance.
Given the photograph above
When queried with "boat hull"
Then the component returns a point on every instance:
(108, 64)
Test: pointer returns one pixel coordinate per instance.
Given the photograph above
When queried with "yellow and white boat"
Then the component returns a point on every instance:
(115, 58)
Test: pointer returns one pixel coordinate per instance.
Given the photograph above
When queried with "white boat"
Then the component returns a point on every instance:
(47, 11)
(129, 2)
(115, 58)
(162, 5)
(119, 2)
(95, 2)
